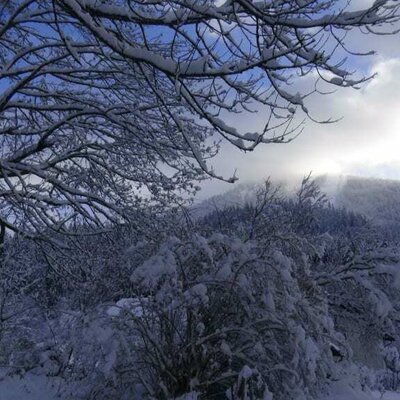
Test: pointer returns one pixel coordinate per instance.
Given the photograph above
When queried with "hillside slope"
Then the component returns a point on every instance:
(378, 199)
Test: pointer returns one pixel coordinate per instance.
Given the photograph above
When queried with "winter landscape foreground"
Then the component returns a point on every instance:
(39, 388)
(263, 279)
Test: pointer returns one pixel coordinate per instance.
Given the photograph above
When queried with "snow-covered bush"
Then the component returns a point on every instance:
(223, 317)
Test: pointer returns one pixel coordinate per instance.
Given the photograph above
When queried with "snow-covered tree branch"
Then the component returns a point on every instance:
(103, 104)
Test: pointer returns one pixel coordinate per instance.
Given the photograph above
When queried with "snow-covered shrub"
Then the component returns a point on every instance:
(223, 317)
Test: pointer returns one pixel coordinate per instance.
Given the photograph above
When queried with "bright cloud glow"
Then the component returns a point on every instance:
(365, 142)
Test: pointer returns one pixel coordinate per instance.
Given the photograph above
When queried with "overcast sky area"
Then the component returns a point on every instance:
(365, 142)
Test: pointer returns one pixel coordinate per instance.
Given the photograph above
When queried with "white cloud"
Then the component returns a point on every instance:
(365, 142)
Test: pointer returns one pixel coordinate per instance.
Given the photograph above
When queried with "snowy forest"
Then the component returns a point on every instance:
(116, 282)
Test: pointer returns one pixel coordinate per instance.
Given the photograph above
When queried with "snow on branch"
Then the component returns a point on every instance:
(104, 104)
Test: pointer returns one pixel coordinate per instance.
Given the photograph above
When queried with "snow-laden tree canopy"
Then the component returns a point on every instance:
(102, 102)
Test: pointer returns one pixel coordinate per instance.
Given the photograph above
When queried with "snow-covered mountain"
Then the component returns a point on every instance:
(377, 199)
(239, 195)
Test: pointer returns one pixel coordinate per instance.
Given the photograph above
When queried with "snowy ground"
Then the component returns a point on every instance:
(31, 387)
(387, 396)
(346, 393)
(41, 388)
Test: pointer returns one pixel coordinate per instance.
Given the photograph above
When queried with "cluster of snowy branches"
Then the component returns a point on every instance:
(271, 300)
(106, 103)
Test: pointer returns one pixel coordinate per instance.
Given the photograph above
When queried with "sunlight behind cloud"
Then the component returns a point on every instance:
(366, 141)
